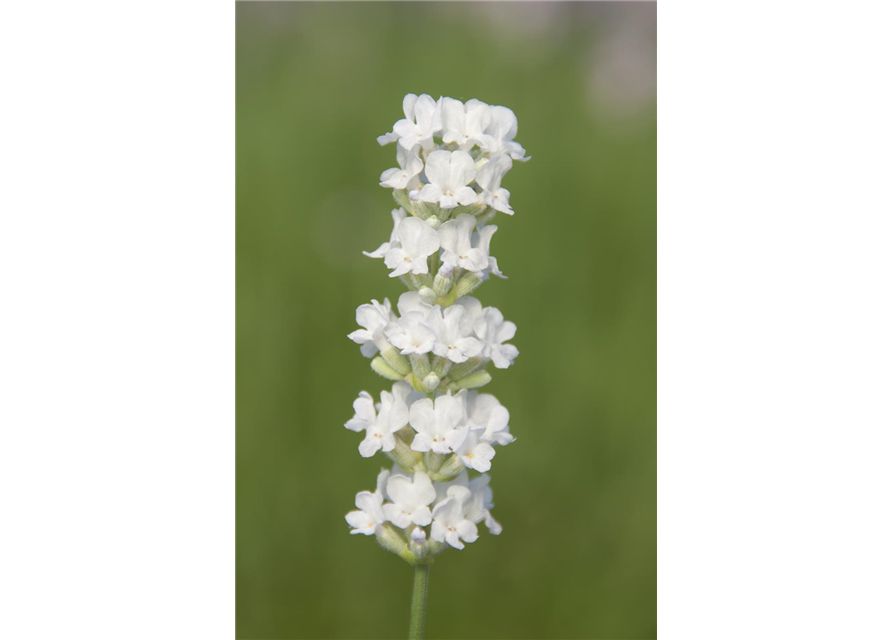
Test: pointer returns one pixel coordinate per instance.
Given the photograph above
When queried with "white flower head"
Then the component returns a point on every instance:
(481, 502)
(450, 341)
(410, 498)
(393, 414)
(398, 215)
(438, 423)
(499, 136)
(450, 523)
(371, 513)
(410, 165)
(493, 330)
(411, 334)
(416, 240)
(464, 124)
(363, 413)
(455, 238)
(421, 124)
(412, 301)
(406, 395)
(373, 318)
(474, 453)
(485, 411)
(448, 175)
(489, 177)
(473, 313)
(481, 240)
(477, 509)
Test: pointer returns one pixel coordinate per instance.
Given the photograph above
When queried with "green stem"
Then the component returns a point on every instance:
(419, 596)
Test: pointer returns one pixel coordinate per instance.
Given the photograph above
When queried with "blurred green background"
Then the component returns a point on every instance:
(316, 83)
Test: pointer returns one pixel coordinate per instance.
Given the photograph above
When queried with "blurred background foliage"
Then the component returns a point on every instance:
(316, 83)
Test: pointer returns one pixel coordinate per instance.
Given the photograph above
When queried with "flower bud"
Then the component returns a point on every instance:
(421, 367)
(441, 366)
(432, 381)
(467, 283)
(487, 215)
(450, 469)
(401, 197)
(477, 379)
(391, 539)
(434, 221)
(396, 360)
(463, 369)
(420, 281)
(428, 295)
(442, 284)
(383, 369)
(408, 459)
(418, 535)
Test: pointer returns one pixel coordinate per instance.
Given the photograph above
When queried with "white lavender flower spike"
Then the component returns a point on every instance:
(452, 158)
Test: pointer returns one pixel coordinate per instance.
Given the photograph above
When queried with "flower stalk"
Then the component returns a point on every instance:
(419, 600)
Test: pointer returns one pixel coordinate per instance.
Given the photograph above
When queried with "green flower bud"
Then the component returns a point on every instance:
(467, 283)
(392, 539)
(449, 470)
(441, 366)
(473, 209)
(473, 381)
(408, 459)
(401, 197)
(383, 369)
(421, 366)
(396, 361)
(458, 371)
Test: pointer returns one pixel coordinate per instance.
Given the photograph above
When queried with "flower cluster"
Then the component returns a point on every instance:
(433, 424)
(459, 429)
(451, 509)
(444, 348)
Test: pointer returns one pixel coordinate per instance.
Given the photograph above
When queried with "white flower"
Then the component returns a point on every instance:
(405, 394)
(410, 165)
(410, 497)
(489, 177)
(373, 317)
(464, 124)
(500, 134)
(485, 411)
(398, 215)
(493, 330)
(481, 241)
(473, 314)
(450, 524)
(410, 334)
(450, 342)
(422, 123)
(412, 301)
(448, 174)
(416, 240)
(371, 514)
(437, 423)
(480, 504)
(477, 509)
(474, 453)
(364, 413)
(393, 414)
(455, 238)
